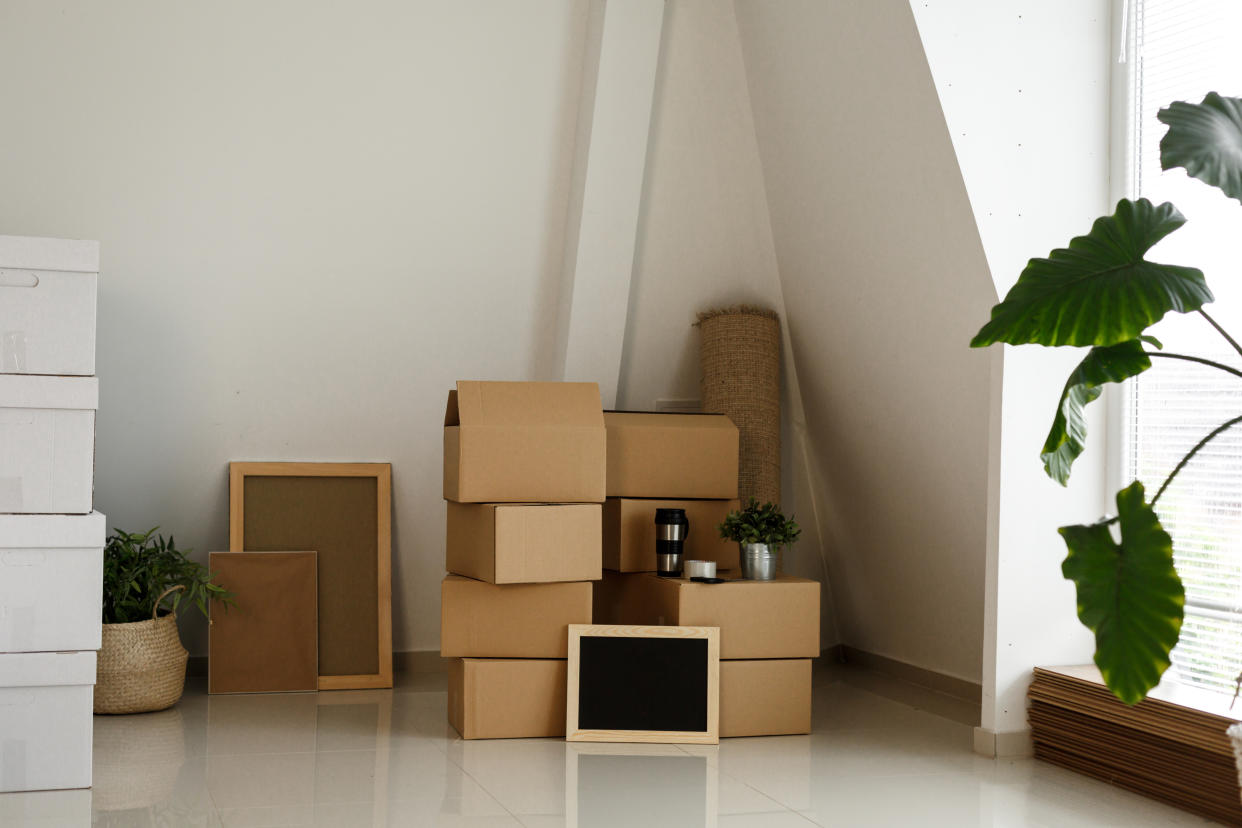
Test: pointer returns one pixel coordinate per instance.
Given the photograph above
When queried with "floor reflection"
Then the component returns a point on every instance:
(654, 786)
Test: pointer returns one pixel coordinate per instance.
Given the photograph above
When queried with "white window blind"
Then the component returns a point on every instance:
(1182, 50)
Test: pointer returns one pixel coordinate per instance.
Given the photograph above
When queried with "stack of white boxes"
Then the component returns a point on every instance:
(51, 542)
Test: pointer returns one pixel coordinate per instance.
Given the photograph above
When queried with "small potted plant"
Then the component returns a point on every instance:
(760, 531)
(142, 663)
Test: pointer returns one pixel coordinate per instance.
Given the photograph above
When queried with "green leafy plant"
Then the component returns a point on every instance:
(1101, 292)
(759, 524)
(139, 567)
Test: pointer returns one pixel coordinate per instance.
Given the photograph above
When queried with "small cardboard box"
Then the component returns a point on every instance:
(482, 620)
(524, 442)
(630, 534)
(47, 721)
(47, 305)
(47, 444)
(51, 568)
(504, 543)
(757, 619)
(502, 698)
(671, 455)
(765, 697)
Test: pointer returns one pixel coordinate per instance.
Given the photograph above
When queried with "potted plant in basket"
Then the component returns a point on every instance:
(760, 532)
(142, 663)
(1102, 293)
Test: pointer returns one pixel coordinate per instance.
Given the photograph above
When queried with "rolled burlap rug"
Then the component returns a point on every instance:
(740, 356)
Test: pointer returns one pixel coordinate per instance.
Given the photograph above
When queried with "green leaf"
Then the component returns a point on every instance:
(1068, 436)
(1129, 594)
(1205, 139)
(1100, 290)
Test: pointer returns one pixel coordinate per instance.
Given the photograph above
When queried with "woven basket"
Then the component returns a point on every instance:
(141, 664)
(741, 363)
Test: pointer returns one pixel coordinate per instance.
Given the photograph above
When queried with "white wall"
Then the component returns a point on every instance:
(705, 241)
(1034, 183)
(316, 216)
(884, 282)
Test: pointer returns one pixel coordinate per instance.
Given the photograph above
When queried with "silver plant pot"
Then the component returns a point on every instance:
(759, 561)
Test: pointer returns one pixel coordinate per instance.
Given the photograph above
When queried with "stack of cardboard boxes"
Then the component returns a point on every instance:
(51, 543)
(526, 467)
(769, 630)
(524, 477)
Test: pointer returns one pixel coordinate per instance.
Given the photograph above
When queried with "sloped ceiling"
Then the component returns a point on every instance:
(884, 280)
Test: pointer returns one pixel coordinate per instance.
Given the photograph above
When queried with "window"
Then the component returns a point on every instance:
(1180, 50)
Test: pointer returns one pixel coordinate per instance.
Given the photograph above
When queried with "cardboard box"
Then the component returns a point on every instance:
(524, 442)
(47, 444)
(765, 697)
(46, 720)
(482, 620)
(757, 619)
(630, 533)
(51, 572)
(524, 543)
(671, 455)
(503, 698)
(47, 305)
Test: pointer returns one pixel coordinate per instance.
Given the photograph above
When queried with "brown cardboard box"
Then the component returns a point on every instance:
(507, 698)
(482, 620)
(505, 543)
(767, 697)
(757, 619)
(630, 536)
(524, 442)
(671, 455)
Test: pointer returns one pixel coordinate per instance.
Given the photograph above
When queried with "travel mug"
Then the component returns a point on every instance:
(671, 531)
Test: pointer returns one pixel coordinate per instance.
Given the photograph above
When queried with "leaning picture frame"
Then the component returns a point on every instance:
(342, 511)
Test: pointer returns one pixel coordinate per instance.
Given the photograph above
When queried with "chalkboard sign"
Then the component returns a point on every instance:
(643, 684)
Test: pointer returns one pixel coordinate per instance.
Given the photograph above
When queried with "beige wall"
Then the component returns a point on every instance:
(884, 282)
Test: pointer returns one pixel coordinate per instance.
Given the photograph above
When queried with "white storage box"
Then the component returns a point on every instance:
(47, 444)
(47, 305)
(51, 582)
(45, 720)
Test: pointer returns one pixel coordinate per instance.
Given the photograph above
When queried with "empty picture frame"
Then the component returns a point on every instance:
(631, 683)
(343, 511)
(268, 640)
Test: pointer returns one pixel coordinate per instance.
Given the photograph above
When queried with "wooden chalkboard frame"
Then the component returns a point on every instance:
(382, 472)
(710, 736)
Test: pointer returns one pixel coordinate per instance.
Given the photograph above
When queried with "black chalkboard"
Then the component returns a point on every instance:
(647, 684)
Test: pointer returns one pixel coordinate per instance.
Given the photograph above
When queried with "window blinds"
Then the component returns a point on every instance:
(1184, 49)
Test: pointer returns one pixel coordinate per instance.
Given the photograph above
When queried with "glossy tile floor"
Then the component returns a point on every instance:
(388, 758)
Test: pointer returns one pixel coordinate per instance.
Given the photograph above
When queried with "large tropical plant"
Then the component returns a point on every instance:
(1102, 293)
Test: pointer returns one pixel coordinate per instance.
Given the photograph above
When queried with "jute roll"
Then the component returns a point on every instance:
(141, 665)
(741, 377)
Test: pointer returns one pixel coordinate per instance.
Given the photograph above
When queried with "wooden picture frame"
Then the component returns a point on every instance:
(666, 689)
(321, 507)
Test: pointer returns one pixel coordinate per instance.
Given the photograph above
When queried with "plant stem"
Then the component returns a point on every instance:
(1221, 331)
(1200, 360)
(1222, 427)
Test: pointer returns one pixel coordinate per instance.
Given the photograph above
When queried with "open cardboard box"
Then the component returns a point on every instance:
(757, 619)
(504, 543)
(671, 455)
(482, 620)
(630, 533)
(524, 442)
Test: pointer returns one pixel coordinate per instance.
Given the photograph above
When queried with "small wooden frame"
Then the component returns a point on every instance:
(630, 683)
(343, 511)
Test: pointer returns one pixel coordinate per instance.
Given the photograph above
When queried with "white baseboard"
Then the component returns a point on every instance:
(1003, 745)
